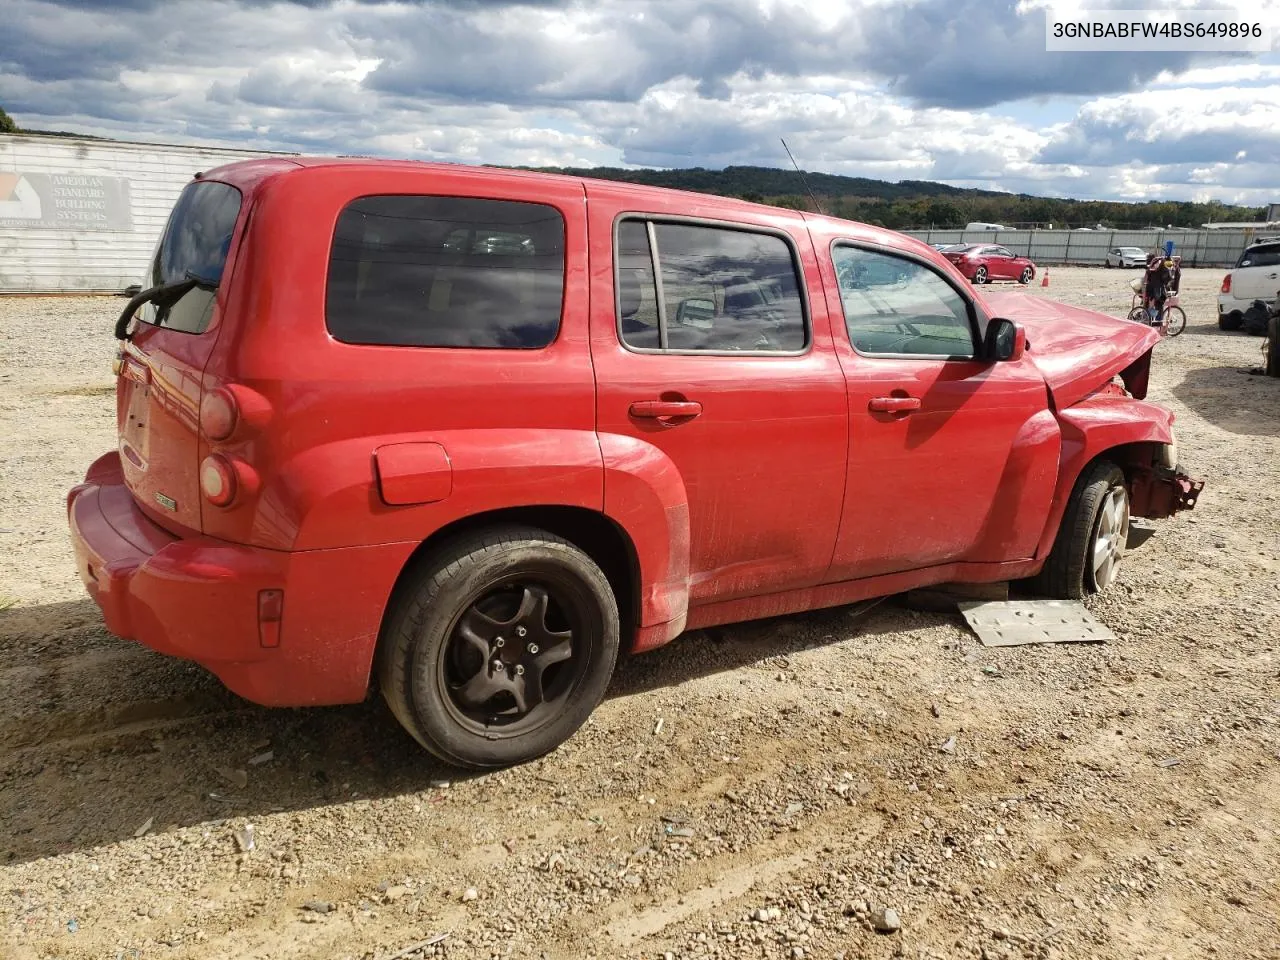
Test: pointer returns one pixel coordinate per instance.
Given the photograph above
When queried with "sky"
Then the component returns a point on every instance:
(960, 91)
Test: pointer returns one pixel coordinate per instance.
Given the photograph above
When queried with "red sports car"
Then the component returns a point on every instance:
(984, 262)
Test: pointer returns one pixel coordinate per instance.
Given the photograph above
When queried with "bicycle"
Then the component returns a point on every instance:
(1173, 320)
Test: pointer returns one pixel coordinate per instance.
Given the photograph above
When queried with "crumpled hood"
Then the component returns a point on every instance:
(1078, 350)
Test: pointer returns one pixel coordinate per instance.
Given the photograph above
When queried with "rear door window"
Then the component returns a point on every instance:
(194, 245)
(716, 290)
(423, 271)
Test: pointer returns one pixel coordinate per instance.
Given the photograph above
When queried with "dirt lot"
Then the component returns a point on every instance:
(760, 796)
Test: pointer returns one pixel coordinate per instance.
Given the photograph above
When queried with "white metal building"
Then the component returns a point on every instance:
(83, 215)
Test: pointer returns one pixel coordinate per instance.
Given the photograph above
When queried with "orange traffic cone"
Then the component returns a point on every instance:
(1045, 281)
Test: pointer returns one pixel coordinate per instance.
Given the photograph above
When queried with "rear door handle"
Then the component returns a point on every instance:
(660, 409)
(894, 404)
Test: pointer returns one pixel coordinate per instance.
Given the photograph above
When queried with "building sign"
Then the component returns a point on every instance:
(66, 201)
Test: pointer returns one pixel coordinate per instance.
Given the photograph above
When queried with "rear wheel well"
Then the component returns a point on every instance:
(589, 530)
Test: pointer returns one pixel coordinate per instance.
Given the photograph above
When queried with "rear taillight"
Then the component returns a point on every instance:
(217, 480)
(218, 414)
(1226, 284)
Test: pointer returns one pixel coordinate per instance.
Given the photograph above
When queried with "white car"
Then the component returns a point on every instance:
(1126, 257)
(1256, 277)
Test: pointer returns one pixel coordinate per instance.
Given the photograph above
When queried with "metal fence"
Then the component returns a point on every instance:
(1198, 248)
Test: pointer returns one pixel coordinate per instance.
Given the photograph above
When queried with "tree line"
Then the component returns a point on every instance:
(917, 204)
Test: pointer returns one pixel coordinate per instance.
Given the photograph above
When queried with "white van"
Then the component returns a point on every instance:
(985, 226)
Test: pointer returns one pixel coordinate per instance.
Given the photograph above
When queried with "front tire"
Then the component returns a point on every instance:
(980, 275)
(497, 647)
(1090, 544)
(1025, 277)
(1175, 321)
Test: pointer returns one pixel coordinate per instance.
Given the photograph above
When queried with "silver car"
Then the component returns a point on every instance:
(1126, 257)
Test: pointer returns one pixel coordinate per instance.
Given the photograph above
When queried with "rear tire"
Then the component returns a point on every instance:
(980, 275)
(1090, 544)
(498, 646)
(1231, 320)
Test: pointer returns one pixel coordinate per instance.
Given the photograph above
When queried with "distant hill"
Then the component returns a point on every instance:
(910, 204)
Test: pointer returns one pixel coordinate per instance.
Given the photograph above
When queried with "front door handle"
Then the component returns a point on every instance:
(663, 409)
(894, 404)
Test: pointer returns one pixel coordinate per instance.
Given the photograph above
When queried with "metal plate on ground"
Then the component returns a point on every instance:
(1015, 623)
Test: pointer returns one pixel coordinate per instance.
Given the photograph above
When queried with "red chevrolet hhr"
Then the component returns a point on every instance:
(467, 434)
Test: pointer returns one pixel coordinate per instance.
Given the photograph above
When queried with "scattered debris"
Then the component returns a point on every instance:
(318, 906)
(1168, 762)
(245, 838)
(73, 925)
(237, 778)
(470, 894)
(885, 920)
(680, 831)
(657, 727)
(415, 947)
(262, 758)
(793, 809)
(933, 708)
(949, 745)
(393, 893)
(439, 784)
(219, 798)
(1014, 623)
(143, 830)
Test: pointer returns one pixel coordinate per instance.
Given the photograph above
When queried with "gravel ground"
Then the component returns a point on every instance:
(780, 791)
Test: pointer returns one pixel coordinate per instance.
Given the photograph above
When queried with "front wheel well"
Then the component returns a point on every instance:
(606, 543)
(1130, 457)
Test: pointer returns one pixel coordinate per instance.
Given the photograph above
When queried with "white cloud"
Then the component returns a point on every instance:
(882, 88)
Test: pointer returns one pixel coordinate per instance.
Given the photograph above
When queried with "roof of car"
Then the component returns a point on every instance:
(247, 173)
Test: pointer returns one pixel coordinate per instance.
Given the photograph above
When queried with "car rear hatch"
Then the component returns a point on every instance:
(1257, 273)
(162, 361)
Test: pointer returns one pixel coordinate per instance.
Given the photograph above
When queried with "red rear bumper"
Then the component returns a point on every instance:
(197, 598)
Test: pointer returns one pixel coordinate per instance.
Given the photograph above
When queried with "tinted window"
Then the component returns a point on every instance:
(914, 312)
(194, 244)
(1001, 252)
(446, 272)
(1260, 257)
(721, 290)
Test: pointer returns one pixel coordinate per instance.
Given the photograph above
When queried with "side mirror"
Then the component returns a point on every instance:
(1005, 340)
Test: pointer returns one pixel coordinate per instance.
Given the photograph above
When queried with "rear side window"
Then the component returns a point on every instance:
(425, 271)
(693, 288)
(1260, 257)
(194, 245)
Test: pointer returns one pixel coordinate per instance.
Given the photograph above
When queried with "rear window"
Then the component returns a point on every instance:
(423, 271)
(1260, 257)
(194, 245)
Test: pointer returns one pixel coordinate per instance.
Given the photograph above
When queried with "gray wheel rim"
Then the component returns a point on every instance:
(1109, 541)
(981, 274)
